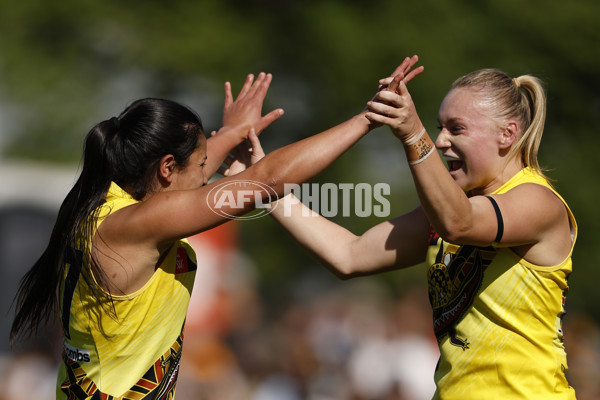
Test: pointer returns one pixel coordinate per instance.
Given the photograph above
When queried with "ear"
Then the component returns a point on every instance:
(509, 134)
(166, 168)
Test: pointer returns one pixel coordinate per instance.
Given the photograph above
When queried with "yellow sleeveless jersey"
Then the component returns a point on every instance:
(135, 354)
(498, 318)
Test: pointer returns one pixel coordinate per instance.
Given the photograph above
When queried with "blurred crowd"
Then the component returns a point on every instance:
(347, 340)
(351, 341)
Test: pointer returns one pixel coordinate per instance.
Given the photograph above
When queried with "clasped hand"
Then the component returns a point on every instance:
(245, 154)
(393, 105)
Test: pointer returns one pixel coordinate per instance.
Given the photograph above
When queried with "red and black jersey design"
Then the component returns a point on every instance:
(454, 280)
(158, 383)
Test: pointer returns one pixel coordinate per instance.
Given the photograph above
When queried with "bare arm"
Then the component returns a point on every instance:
(136, 236)
(394, 244)
(171, 215)
(535, 221)
(397, 243)
(142, 232)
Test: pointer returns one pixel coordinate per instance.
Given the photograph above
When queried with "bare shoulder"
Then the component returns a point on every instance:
(122, 225)
(534, 199)
(125, 255)
(538, 223)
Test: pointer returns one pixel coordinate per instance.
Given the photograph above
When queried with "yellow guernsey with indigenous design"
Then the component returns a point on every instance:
(497, 319)
(136, 354)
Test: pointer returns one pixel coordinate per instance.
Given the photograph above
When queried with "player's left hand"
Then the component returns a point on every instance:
(405, 73)
(393, 106)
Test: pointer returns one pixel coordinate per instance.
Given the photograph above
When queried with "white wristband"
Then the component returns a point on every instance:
(420, 160)
(419, 136)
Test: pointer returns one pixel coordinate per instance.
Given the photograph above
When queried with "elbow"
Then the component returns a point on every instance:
(353, 275)
(341, 269)
(269, 178)
(343, 275)
(350, 261)
(453, 231)
(449, 235)
(346, 270)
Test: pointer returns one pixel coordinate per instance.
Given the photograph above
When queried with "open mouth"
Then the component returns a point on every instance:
(454, 164)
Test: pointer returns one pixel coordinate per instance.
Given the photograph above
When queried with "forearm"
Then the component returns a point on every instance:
(394, 244)
(300, 161)
(219, 146)
(322, 238)
(444, 202)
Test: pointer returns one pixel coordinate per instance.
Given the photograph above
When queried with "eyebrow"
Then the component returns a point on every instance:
(452, 120)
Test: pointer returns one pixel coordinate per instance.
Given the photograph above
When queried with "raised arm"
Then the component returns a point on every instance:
(151, 226)
(533, 221)
(398, 243)
(170, 215)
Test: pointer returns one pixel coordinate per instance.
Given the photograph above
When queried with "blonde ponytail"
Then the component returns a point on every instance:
(533, 104)
(522, 99)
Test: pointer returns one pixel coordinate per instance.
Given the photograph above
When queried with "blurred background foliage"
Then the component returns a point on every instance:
(67, 65)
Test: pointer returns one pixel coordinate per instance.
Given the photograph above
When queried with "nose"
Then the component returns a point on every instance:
(442, 142)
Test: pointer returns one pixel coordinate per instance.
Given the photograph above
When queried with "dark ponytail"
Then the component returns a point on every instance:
(124, 150)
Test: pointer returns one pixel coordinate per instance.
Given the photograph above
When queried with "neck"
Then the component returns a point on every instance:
(510, 169)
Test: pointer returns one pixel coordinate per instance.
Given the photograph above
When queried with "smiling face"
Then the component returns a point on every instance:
(471, 142)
